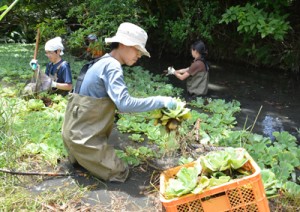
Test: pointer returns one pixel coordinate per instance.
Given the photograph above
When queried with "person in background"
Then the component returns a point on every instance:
(57, 69)
(90, 113)
(94, 49)
(197, 74)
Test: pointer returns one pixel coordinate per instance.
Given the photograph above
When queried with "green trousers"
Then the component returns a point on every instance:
(87, 125)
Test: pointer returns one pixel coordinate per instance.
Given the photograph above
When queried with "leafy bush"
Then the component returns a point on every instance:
(253, 21)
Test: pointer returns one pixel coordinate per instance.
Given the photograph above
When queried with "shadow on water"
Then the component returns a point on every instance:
(270, 99)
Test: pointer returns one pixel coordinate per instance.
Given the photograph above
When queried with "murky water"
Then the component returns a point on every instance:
(270, 100)
(270, 97)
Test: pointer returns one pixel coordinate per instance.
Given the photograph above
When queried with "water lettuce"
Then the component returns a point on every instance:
(210, 170)
(223, 160)
(171, 118)
(186, 180)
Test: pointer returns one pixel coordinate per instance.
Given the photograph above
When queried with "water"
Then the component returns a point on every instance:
(270, 99)
(271, 124)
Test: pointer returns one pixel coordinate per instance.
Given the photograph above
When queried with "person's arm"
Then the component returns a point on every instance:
(182, 74)
(62, 86)
(181, 71)
(66, 78)
(118, 92)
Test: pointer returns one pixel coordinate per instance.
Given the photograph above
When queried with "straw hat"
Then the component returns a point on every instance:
(131, 35)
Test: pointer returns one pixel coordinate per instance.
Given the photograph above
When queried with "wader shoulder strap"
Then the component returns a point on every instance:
(54, 77)
(83, 71)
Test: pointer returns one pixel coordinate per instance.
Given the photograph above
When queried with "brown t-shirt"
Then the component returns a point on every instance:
(197, 82)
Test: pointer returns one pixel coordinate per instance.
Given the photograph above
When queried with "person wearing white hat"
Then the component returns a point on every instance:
(57, 69)
(90, 114)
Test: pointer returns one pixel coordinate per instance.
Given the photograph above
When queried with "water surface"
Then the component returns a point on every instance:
(270, 99)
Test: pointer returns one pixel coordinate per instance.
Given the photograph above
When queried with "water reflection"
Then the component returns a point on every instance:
(271, 124)
(216, 87)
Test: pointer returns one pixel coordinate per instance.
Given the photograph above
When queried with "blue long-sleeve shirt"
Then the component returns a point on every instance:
(105, 79)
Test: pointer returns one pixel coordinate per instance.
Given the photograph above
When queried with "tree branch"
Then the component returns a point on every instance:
(40, 173)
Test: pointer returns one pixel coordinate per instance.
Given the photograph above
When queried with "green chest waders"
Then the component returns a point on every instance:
(198, 84)
(87, 125)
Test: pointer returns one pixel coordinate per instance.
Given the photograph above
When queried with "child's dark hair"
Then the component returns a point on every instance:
(199, 46)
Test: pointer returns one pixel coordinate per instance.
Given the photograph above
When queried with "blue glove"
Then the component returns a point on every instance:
(170, 103)
(33, 64)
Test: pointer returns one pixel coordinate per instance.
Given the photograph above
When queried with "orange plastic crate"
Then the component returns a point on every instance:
(240, 195)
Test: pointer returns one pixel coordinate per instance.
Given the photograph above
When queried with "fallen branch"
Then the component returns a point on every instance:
(41, 173)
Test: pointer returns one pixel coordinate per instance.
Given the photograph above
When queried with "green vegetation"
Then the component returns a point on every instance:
(260, 33)
(6, 9)
(30, 134)
(213, 169)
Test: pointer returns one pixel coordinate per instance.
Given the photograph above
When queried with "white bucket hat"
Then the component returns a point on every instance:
(131, 35)
(55, 44)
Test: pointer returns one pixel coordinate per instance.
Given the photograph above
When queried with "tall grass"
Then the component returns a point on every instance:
(30, 136)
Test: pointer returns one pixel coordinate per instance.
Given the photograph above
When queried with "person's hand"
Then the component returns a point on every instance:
(33, 64)
(171, 71)
(170, 103)
(53, 84)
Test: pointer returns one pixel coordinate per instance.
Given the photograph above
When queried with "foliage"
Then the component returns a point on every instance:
(253, 21)
(136, 137)
(7, 9)
(136, 156)
(189, 21)
(102, 18)
(9, 54)
(172, 118)
(30, 136)
(268, 28)
(292, 189)
(52, 27)
(22, 21)
(223, 160)
(185, 181)
(47, 145)
(19, 198)
(216, 168)
(281, 156)
(149, 84)
(270, 182)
